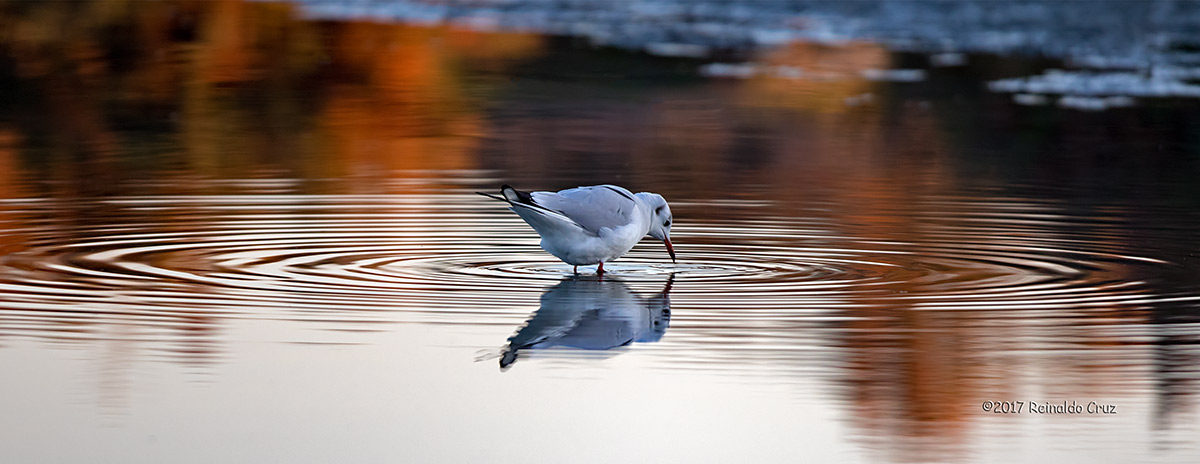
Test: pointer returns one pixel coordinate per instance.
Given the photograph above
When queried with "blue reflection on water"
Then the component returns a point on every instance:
(592, 313)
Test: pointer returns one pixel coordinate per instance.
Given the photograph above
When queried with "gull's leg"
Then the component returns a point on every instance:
(576, 269)
(600, 268)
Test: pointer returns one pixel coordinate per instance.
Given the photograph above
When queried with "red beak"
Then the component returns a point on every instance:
(670, 249)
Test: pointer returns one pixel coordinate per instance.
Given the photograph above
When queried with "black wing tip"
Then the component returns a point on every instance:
(514, 195)
(508, 358)
(492, 196)
(511, 195)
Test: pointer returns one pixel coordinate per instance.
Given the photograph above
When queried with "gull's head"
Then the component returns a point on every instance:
(660, 219)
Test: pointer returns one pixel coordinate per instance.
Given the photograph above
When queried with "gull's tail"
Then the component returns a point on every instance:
(511, 195)
(516, 197)
(494, 197)
(540, 217)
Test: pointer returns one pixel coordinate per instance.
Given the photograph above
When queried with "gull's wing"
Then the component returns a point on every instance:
(593, 207)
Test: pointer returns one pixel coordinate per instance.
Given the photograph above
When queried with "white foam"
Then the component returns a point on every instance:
(1030, 99)
(894, 75)
(946, 60)
(678, 50)
(1102, 84)
(734, 70)
(1094, 103)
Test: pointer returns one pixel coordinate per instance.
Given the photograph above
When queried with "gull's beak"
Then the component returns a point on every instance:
(670, 249)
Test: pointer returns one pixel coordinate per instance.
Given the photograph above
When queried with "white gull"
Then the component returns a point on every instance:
(591, 225)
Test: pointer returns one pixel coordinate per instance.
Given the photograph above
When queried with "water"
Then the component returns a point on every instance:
(1114, 51)
(267, 246)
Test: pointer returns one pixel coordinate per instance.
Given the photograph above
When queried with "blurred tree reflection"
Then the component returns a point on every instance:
(231, 88)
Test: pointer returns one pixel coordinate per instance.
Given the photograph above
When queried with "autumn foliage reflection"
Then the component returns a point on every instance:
(248, 86)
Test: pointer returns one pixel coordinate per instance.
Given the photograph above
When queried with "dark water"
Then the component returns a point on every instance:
(230, 234)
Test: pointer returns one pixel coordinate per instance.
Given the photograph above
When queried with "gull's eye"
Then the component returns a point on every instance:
(658, 210)
(667, 223)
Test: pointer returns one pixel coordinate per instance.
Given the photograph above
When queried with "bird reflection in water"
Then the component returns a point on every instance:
(591, 313)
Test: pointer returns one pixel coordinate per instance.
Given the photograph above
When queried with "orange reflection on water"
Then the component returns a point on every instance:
(251, 88)
(827, 75)
(412, 109)
(11, 186)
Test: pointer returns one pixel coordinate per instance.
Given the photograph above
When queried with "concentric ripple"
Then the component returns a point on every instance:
(441, 257)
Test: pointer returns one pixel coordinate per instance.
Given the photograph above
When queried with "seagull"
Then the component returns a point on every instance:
(591, 313)
(591, 225)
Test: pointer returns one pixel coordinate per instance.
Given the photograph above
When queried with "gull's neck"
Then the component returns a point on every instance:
(647, 212)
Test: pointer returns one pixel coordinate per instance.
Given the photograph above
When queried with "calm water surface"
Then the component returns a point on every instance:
(264, 246)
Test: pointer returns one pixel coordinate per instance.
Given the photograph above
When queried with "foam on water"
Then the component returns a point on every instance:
(1123, 48)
